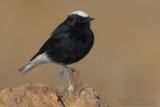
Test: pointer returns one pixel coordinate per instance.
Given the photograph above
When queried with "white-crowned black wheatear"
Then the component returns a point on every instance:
(70, 42)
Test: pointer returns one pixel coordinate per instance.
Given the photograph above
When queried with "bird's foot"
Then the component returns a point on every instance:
(70, 68)
(73, 69)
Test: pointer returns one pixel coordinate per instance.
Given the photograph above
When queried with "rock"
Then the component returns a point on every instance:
(73, 92)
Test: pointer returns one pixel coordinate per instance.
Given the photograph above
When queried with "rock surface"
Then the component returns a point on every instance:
(73, 92)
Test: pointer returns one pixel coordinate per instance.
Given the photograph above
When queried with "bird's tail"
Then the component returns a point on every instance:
(26, 68)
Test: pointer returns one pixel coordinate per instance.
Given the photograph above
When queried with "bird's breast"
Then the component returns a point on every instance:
(80, 46)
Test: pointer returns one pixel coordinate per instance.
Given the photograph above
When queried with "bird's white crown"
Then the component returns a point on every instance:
(80, 13)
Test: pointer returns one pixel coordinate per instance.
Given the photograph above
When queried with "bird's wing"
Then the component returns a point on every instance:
(53, 41)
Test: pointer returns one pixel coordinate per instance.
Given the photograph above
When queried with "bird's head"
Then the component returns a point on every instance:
(79, 18)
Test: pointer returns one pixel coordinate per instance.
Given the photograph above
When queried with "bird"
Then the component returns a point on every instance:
(70, 42)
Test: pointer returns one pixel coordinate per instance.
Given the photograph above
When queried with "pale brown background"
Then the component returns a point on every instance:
(125, 59)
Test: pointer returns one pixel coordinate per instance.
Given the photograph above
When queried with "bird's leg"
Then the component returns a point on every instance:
(64, 66)
(70, 68)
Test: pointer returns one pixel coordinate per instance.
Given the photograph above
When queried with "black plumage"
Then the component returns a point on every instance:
(70, 41)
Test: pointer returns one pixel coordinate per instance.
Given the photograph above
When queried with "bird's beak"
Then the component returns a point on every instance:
(90, 19)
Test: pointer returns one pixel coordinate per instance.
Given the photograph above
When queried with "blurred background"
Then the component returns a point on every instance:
(124, 62)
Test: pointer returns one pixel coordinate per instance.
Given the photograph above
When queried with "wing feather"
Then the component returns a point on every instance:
(56, 37)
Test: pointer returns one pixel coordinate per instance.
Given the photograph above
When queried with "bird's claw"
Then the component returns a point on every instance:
(73, 69)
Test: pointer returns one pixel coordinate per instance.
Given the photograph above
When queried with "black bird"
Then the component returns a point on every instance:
(69, 42)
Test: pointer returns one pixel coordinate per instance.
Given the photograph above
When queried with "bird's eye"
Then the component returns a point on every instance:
(78, 19)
